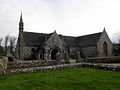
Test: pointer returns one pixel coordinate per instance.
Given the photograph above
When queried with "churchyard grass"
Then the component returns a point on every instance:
(72, 79)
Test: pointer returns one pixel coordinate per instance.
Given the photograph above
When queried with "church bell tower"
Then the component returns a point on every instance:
(20, 38)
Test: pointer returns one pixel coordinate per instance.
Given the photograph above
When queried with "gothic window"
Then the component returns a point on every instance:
(105, 49)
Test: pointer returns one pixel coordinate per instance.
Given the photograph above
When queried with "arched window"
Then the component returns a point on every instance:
(105, 49)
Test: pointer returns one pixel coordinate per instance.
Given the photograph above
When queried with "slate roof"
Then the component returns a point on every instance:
(34, 39)
(37, 39)
(83, 41)
(71, 41)
(88, 40)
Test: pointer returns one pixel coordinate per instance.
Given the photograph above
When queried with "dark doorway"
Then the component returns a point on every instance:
(53, 54)
(10, 59)
(33, 57)
(105, 49)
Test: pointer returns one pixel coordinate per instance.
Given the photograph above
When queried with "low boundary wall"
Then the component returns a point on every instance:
(60, 67)
(29, 64)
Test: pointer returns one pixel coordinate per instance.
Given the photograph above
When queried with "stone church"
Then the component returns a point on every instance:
(42, 46)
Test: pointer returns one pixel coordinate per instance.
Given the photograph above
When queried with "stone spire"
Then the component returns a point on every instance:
(21, 24)
(104, 29)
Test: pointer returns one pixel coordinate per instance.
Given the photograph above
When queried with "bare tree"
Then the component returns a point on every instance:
(116, 48)
(1, 47)
(12, 42)
(6, 41)
(1, 41)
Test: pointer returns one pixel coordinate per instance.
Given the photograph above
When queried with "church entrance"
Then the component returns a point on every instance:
(53, 54)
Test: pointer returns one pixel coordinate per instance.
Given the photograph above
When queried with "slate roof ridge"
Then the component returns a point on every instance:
(37, 33)
(89, 34)
(68, 36)
(80, 36)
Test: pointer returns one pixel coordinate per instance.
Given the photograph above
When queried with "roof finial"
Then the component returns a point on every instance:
(54, 31)
(104, 29)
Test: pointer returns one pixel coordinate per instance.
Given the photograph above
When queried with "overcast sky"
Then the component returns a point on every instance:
(67, 17)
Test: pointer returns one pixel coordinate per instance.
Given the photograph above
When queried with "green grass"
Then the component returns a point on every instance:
(72, 79)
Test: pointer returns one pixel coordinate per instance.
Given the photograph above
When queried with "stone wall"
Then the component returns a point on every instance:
(40, 69)
(3, 63)
(90, 51)
(104, 38)
(97, 59)
(102, 66)
(29, 64)
(60, 67)
(72, 52)
(28, 52)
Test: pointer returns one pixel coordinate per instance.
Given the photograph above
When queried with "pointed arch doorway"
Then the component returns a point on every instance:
(53, 54)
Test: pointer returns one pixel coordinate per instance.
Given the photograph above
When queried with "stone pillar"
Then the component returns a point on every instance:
(5, 61)
(38, 57)
(45, 56)
(49, 57)
(78, 57)
(67, 57)
(58, 58)
(45, 53)
(84, 56)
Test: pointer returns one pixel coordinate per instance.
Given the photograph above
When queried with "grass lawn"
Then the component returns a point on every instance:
(72, 79)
